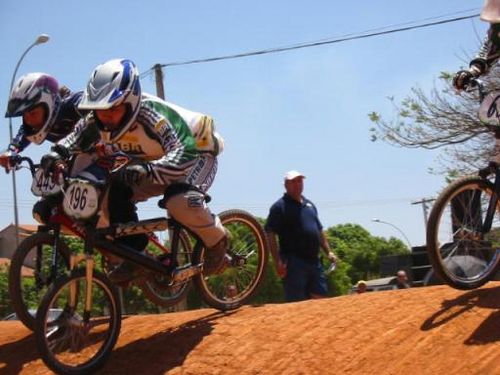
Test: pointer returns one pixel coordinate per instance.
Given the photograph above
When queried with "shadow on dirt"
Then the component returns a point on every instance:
(9, 354)
(488, 298)
(163, 351)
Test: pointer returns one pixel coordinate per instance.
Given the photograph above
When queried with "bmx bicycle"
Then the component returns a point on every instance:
(44, 255)
(90, 299)
(82, 336)
(463, 230)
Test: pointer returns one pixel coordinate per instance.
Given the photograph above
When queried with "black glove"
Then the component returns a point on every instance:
(462, 79)
(51, 162)
(133, 174)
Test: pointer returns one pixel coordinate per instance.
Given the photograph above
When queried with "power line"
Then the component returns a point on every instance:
(348, 37)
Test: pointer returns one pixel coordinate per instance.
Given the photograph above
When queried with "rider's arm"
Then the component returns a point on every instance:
(176, 141)
(20, 142)
(84, 135)
(489, 52)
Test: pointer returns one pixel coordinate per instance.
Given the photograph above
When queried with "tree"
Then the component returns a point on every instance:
(360, 252)
(441, 119)
(5, 305)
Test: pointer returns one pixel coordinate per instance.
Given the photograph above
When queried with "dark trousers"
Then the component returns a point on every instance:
(123, 210)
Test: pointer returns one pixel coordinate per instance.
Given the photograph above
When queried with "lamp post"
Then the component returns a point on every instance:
(395, 227)
(42, 38)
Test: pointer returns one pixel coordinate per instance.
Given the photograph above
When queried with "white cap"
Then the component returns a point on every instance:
(290, 175)
(491, 11)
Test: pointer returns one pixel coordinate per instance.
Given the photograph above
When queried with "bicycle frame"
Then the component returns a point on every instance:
(492, 168)
(492, 206)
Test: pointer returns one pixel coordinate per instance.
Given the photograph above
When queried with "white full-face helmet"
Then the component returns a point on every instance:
(113, 83)
(491, 11)
(31, 90)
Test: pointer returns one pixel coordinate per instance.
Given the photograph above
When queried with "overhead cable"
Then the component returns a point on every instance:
(353, 36)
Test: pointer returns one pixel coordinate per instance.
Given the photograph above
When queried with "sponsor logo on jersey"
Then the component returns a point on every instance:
(133, 148)
(161, 126)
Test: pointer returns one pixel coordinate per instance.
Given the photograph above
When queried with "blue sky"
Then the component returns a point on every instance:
(304, 109)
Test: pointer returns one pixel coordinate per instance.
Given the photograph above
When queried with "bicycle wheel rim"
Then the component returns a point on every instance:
(73, 341)
(461, 254)
(244, 268)
(30, 274)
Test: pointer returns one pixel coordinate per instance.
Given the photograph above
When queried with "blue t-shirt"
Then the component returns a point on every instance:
(297, 226)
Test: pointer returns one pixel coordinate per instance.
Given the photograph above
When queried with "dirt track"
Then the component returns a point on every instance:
(418, 331)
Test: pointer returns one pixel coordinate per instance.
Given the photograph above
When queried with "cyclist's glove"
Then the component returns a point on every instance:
(51, 163)
(462, 79)
(133, 174)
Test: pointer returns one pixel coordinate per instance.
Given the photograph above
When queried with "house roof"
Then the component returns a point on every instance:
(27, 229)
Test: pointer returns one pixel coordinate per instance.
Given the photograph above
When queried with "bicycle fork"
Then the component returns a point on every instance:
(492, 205)
(88, 259)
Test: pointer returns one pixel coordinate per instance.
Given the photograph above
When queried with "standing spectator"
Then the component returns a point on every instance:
(361, 287)
(402, 280)
(294, 220)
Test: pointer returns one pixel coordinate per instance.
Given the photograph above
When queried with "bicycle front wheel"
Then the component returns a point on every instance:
(34, 266)
(70, 338)
(462, 253)
(244, 267)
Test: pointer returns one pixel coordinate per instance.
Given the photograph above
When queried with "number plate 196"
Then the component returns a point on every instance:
(81, 200)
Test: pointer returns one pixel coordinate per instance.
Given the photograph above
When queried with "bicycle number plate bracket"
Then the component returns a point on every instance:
(42, 185)
(81, 200)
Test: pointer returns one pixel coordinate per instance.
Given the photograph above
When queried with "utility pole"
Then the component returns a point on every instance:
(159, 81)
(424, 202)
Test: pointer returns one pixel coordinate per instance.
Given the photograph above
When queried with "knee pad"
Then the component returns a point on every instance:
(190, 210)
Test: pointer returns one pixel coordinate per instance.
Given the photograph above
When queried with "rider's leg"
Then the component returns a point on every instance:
(191, 210)
(122, 210)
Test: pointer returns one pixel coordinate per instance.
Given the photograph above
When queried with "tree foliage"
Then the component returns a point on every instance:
(361, 252)
(443, 119)
(5, 308)
(358, 250)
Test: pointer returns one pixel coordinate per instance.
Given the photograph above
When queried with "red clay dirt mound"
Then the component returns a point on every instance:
(430, 330)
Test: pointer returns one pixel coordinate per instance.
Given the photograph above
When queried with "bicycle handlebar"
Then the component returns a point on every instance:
(17, 160)
(476, 83)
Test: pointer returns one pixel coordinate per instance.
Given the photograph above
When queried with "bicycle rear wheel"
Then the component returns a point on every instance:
(31, 273)
(461, 254)
(245, 263)
(71, 339)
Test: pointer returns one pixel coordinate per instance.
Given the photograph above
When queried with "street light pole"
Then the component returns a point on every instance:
(395, 227)
(42, 38)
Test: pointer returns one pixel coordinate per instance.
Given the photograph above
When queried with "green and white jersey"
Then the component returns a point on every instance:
(168, 136)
